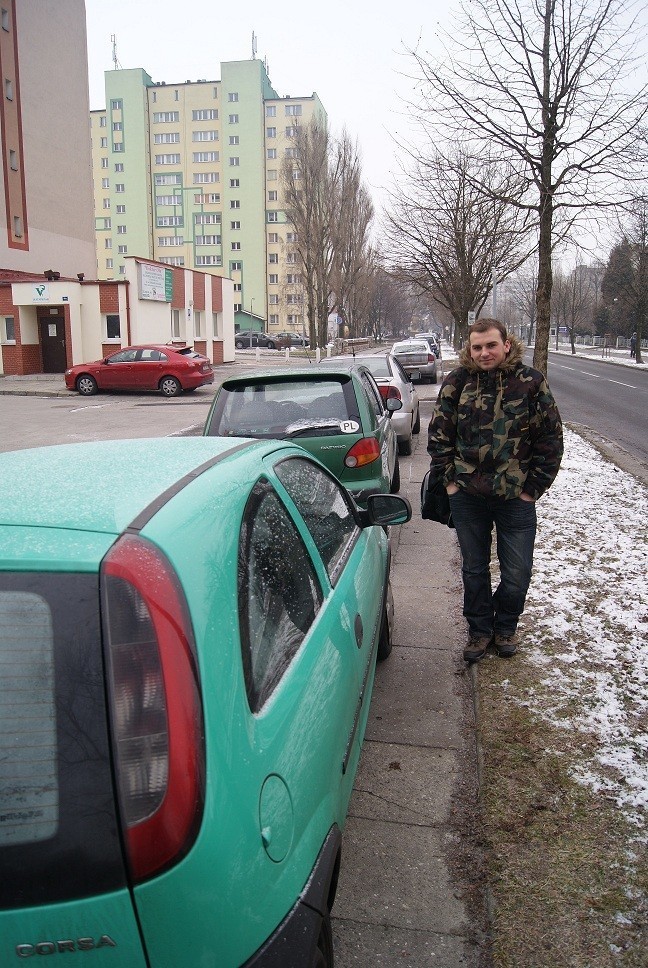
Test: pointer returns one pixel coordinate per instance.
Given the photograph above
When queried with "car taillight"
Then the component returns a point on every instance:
(388, 392)
(431, 357)
(155, 705)
(363, 452)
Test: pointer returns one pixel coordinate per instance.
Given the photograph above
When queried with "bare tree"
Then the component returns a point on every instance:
(522, 286)
(545, 82)
(447, 237)
(574, 303)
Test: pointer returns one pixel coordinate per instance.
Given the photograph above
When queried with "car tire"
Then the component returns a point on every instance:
(395, 481)
(405, 447)
(270, 345)
(324, 953)
(416, 429)
(86, 385)
(385, 640)
(239, 344)
(434, 377)
(169, 386)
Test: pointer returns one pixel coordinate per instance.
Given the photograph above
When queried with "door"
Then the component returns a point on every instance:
(52, 339)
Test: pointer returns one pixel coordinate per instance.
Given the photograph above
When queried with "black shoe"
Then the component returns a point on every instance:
(476, 647)
(506, 645)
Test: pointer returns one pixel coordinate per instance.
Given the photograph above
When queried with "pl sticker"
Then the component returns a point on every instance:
(349, 426)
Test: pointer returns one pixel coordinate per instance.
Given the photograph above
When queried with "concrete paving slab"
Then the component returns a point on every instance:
(398, 876)
(393, 784)
(390, 946)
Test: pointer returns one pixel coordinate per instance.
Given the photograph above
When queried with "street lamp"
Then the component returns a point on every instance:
(251, 319)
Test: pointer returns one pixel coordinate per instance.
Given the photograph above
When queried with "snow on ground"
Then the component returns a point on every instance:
(586, 621)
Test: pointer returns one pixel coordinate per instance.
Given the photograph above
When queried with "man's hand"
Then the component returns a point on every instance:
(527, 497)
(451, 488)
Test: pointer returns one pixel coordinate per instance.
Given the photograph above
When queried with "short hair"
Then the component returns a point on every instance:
(483, 324)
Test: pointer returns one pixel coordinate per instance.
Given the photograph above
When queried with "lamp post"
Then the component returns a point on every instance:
(251, 318)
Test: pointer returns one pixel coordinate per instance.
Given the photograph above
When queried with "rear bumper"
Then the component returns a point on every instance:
(294, 943)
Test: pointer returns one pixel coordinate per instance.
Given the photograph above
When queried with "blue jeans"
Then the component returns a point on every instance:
(515, 524)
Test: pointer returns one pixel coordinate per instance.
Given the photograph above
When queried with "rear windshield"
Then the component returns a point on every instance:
(187, 351)
(277, 408)
(58, 828)
(413, 347)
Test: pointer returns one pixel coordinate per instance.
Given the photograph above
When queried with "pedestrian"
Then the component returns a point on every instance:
(495, 439)
(633, 345)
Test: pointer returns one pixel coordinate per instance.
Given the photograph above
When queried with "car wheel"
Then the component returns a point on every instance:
(395, 481)
(270, 345)
(239, 344)
(434, 376)
(324, 954)
(169, 386)
(417, 423)
(405, 447)
(86, 385)
(385, 640)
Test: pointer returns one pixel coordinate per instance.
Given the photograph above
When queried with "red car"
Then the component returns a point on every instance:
(169, 369)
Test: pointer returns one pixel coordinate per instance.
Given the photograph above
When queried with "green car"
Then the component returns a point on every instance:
(188, 636)
(336, 413)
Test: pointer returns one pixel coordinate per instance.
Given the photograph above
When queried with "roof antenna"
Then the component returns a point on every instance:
(116, 63)
(254, 45)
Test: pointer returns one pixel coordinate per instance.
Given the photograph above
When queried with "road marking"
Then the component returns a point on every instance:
(595, 376)
(93, 406)
(629, 385)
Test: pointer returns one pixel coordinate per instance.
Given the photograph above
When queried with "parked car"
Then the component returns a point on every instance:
(336, 413)
(249, 338)
(433, 339)
(393, 382)
(294, 339)
(188, 636)
(169, 369)
(418, 359)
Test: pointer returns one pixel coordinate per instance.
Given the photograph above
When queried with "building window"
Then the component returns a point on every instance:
(120, 188)
(118, 146)
(272, 196)
(207, 218)
(293, 299)
(208, 240)
(273, 216)
(103, 143)
(122, 270)
(121, 230)
(203, 156)
(9, 329)
(164, 220)
(216, 331)
(160, 117)
(238, 286)
(175, 323)
(233, 119)
(102, 121)
(208, 260)
(273, 237)
(198, 324)
(107, 223)
(234, 139)
(121, 209)
(273, 258)
(119, 166)
(106, 203)
(210, 198)
(205, 177)
(104, 162)
(235, 162)
(112, 325)
(291, 132)
(168, 179)
(271, 175)
(172, 260)
(122, 249)
(117, 126)
(293, 110)
(234, 183)
(236, 246)
(107, 243)
(105, 183)
(168, 199)
(211, 114)
(292, 152)
(271, 153)
(232, 97)
(167, 159)
(8, 89)
(235, 203)
(235, 226)
(204, 136)
(169, 240)
(291, 236)
(236, 266)
(109, 263)
(293, 279)
(167, 138)
(271, 132)
(238, 307)
(295, 321)
(273, 279)
(273, 299)
(291, 258)
(274, 319)
(271, 110)
(116, 105)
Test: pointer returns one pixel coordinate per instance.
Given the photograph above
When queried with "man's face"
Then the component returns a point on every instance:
(488, 350)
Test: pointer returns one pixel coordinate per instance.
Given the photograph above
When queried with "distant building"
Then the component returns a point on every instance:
(188, 174)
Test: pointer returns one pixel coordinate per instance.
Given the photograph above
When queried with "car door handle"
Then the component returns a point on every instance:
(358, 628)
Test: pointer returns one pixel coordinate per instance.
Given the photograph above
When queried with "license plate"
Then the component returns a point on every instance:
(414, 374)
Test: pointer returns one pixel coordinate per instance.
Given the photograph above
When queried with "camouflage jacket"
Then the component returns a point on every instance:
(496, 433)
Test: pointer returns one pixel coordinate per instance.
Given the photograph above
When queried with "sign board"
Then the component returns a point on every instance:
(156, 282)
(471, 318)
(40, 293)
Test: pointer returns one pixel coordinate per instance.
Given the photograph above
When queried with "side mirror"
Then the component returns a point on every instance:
(393, 403)
(385, 509)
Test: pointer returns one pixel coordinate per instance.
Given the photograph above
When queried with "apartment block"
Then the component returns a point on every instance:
(188, 174)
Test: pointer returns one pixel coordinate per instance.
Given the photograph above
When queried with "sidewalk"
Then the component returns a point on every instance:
(399, 899)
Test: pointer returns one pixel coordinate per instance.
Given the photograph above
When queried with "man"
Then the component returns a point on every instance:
(495, 440)
(633, 345)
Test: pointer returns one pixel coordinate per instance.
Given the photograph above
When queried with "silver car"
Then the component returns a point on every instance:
(393, 382)
(418, 359)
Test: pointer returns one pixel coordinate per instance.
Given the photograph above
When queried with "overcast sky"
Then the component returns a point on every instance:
(350, 52)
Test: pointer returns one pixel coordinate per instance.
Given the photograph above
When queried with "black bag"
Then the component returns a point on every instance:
(435, 503)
